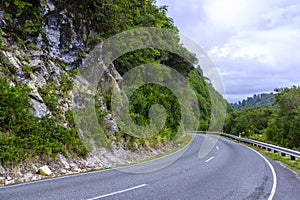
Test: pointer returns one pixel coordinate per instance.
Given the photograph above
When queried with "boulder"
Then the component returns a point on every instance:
(45, 171)
(9, 182)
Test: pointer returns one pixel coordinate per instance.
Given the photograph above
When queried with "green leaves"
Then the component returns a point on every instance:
(22, 136)
(279, 125)
(284, 127)
(48, 92)
(28, 14)
(250, 121)
(149, 95)
(13, 103)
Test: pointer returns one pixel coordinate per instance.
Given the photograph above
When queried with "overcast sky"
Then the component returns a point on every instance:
(254, 43)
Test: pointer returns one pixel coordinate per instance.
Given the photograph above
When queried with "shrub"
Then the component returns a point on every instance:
(22, 136)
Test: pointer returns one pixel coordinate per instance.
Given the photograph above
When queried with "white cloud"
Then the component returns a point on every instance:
(274, 48)
(283, 16)
(235, 13)
(254, 43)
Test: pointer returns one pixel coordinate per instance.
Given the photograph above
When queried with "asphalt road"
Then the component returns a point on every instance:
(229, 171)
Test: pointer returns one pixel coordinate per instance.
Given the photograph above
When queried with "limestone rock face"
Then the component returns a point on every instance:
(57, 52)
(2, 170)
(64, 161)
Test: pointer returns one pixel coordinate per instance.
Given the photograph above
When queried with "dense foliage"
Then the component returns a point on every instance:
(279, 125)
(249, 121)
(203, 96)
(22, 136)
(260, 100)
(284, 127)
(108, 17)
(24, 17)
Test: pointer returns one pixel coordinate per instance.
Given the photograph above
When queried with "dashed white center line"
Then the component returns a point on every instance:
(217, 147)
(118, 192)
(210, 159)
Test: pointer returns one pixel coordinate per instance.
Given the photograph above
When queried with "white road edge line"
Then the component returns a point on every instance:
(273, 173)
(209, 159)
(118, 192)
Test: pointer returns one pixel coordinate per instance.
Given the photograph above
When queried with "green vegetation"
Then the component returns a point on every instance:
(27, 15)
(5, 67)
(283, 128)
(279, 125)
(22, 136)
(151, 94)
(27, 70)
(48, 93)
(250, 121)
(293, 164)
(202, 92)
(260, 100)
(107, 18)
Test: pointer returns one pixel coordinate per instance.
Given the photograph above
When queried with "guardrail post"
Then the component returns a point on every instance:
(293, 158)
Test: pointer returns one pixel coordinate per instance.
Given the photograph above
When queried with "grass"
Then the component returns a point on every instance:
(286, 161)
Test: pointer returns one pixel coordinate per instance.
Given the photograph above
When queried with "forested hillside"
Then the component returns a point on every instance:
(258, 100)
(42, 45)
(278, 125)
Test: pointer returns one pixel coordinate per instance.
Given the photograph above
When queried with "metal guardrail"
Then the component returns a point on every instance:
(270, 147)
(283, 151)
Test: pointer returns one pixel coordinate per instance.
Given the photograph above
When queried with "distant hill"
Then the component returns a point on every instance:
(258, 100)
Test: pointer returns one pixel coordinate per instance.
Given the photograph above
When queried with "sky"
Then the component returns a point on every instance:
(255, 44)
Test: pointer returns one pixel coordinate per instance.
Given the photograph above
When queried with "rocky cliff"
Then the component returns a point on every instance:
(46, 60)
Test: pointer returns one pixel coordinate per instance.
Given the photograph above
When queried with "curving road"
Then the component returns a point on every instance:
(229, 171)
